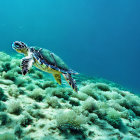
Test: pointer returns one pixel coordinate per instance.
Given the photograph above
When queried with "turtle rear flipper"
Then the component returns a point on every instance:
(26, 64)
(57, 77)
(70, 81)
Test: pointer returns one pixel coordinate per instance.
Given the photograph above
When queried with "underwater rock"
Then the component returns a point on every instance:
(3, 97)
(2, 106)
(102, 86)
(26, 120)
(18, 131)
(113, 118)
(90, 104)
(53, 102)
(37, 94)
(4, 118)
(35, 107)
(14, 107)
(69, 119)
(6, 82)
(7, 136)
(4, 57)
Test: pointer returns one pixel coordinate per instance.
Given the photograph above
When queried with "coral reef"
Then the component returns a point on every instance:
(35, 107)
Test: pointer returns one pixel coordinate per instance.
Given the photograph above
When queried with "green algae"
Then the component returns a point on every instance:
(3, 97)
(35, 107)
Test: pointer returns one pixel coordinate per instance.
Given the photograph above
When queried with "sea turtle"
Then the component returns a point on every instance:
(46, 61)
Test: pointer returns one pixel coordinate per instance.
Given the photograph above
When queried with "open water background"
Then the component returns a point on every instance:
(94, 37)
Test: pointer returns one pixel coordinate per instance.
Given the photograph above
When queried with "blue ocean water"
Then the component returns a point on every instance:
(95, 37)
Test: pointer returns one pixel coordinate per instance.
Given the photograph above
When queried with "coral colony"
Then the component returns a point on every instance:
(35, 107)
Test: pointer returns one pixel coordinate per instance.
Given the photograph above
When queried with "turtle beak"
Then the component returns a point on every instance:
(13, 46)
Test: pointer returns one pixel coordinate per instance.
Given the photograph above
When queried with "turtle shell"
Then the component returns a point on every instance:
(45, 56)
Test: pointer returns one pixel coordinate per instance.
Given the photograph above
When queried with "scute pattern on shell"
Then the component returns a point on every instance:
(43, 56)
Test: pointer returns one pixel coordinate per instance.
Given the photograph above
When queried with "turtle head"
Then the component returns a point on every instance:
(20, 47)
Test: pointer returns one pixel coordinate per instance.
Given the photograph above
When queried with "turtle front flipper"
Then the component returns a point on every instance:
(26, 64)
(70, 81)
(57, 77)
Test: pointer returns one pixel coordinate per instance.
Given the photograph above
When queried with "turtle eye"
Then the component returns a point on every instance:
(16, 44)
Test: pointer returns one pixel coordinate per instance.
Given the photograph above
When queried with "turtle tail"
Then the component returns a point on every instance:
(70, 81)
